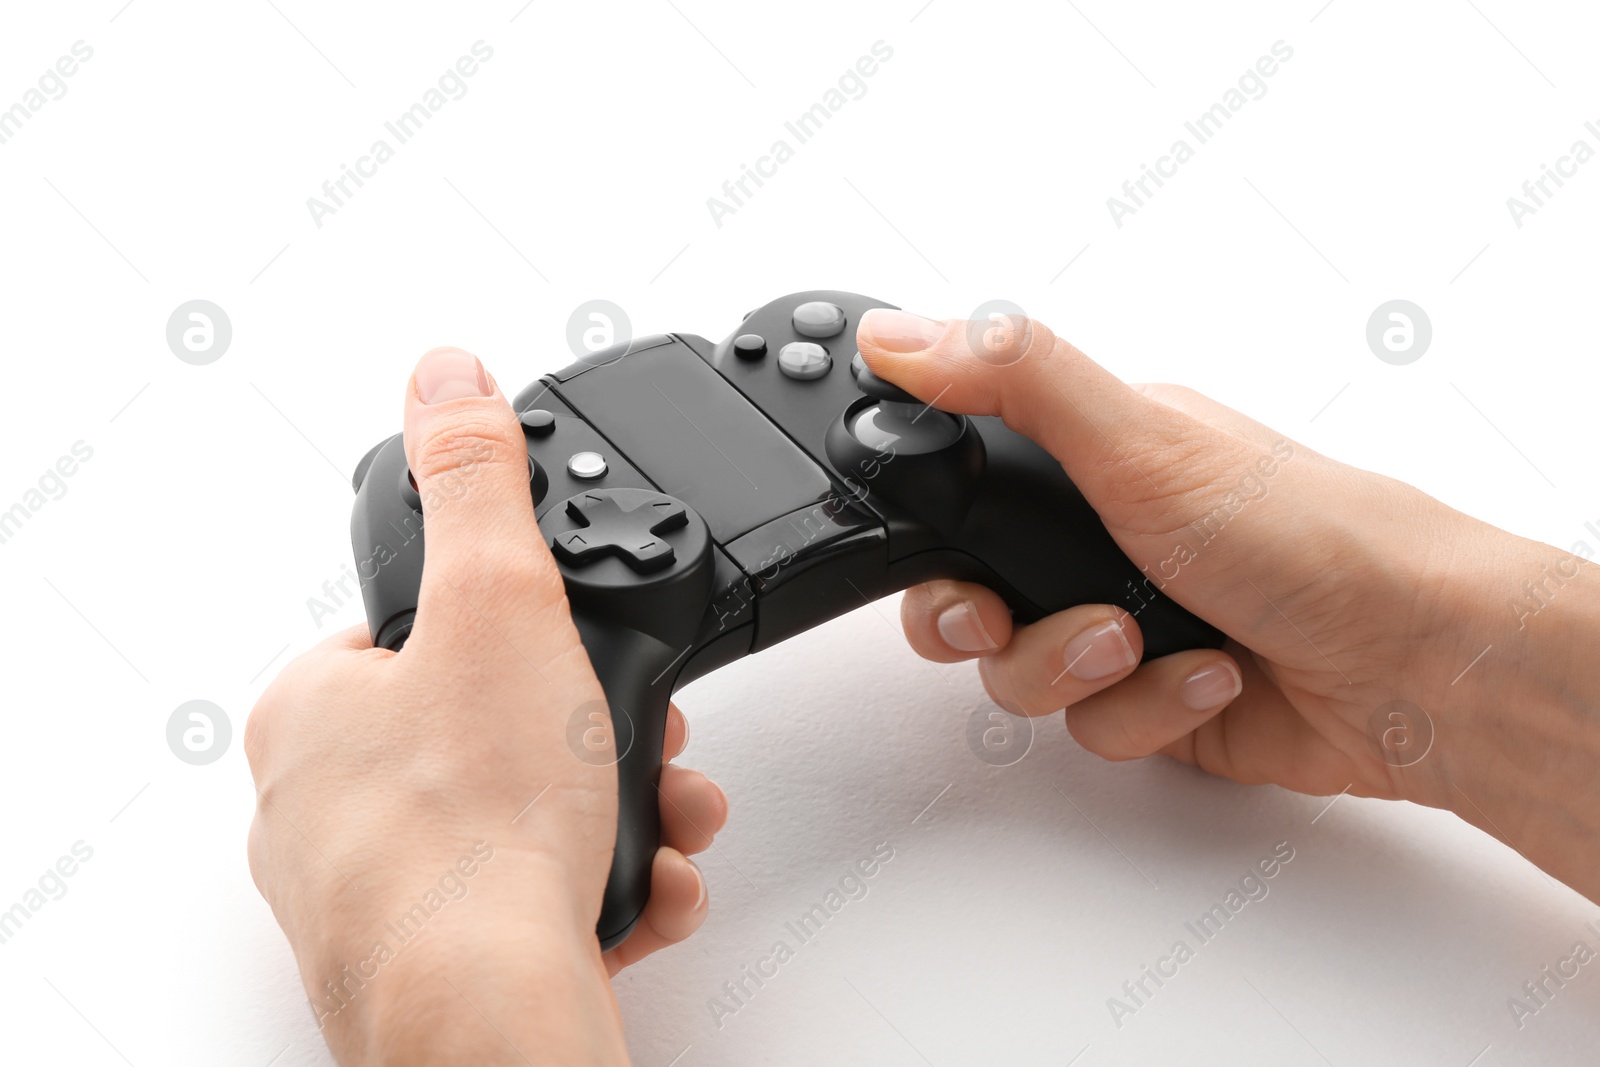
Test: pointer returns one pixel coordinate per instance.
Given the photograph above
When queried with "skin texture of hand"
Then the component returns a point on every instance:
(428, 841)
(1341, 591)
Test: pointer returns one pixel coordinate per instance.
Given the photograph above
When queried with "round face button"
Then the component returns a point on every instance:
(818, 318)
(803, 360)
(537, 422)
(750, 346)
(857, 364)
(586, 465)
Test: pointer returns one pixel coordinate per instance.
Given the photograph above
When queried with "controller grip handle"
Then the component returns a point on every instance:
(635, 671)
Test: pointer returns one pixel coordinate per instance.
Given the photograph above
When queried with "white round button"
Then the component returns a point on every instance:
(586, 465)
(804, 360)
(818, 318)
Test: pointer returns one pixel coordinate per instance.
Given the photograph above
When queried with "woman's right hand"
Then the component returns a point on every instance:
(1380, 642)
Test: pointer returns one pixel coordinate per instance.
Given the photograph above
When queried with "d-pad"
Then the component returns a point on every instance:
(609, 530)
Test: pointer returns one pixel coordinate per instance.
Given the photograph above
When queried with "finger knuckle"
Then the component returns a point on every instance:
(1013, 338)
(1093, 736)
(460, 446)
(255, 857)
(307, 681)
(266, 718)
(256, 732)
(995, 673)
(1035, 338)
(1137, 736)
(509, 567)
(1173, 395)
(919, 603)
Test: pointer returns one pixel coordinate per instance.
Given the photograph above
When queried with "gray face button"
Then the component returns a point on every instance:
(586, 465)
(819, 319)
(803, 360)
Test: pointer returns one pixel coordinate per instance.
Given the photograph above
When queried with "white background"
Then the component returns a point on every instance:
(577, 166)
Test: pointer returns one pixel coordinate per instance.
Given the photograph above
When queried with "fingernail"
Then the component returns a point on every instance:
(963, 630)
(901, 331)
(1099, 652)
(450, 374)
(699, 901)
(1211, 687)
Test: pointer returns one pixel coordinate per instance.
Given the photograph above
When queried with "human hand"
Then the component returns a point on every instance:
(1342, 591)
(440, 776)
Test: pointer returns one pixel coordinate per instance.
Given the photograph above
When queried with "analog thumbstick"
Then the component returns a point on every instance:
(899, 422)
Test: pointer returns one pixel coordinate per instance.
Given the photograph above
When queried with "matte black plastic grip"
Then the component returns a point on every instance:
(635, 671)
(386, 534)
(638, 621)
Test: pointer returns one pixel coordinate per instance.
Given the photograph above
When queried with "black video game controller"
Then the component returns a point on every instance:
(705, 502)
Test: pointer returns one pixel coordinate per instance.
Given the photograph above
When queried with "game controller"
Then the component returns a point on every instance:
(706, 501)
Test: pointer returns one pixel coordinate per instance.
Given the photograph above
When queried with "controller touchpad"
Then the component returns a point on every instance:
(697, 438)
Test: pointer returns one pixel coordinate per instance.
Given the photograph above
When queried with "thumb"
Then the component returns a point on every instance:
(1156, 475)
(486, 563)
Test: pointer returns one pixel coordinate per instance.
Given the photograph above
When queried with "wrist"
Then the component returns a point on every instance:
(1520, 742)
(503, 992)
(484, 969)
